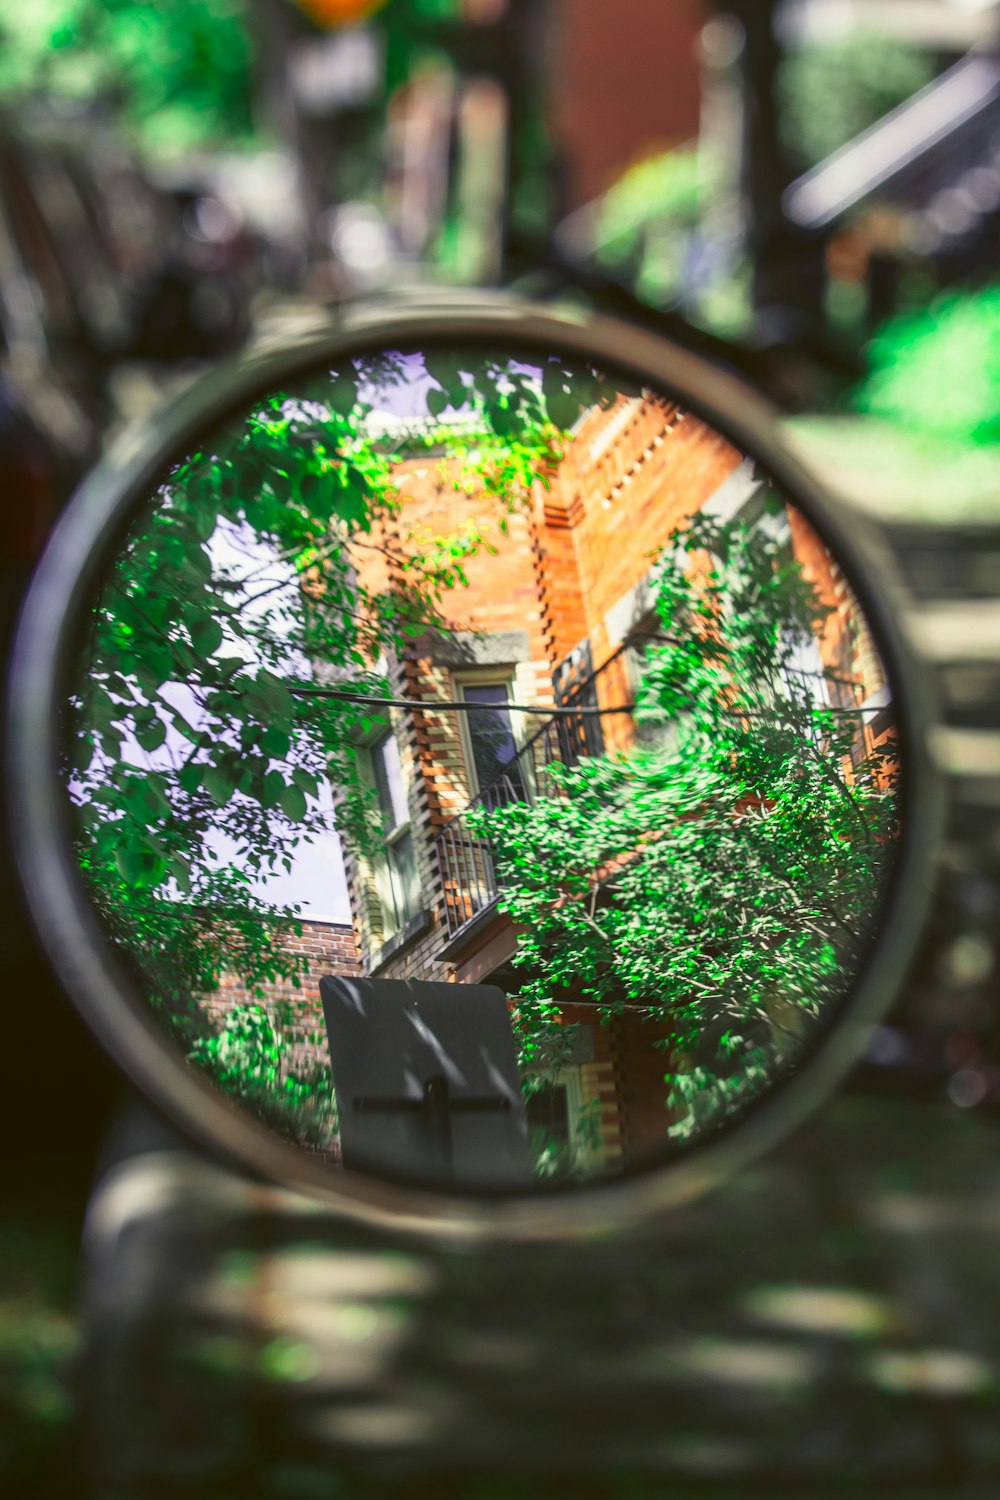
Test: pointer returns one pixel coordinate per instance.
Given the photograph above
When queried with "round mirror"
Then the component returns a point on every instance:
(480, 766)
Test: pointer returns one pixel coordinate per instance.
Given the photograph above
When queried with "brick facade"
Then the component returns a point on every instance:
(576, 552)
(572, 572)
(565, 575)
(328, 948)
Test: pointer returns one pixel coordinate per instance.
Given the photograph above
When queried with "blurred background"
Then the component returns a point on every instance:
(809, 191)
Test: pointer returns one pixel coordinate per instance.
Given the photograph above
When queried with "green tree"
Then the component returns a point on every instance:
(204, 730)
(830, 92)
(180, 69)
(723, 881)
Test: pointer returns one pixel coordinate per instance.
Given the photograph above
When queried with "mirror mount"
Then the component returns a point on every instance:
(102, 518)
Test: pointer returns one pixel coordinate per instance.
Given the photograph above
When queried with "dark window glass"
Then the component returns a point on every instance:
(548, 1110)
(491, 735)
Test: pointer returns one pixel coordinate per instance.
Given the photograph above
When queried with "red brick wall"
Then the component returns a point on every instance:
(625, 83)
(328, 948)
(633, 473)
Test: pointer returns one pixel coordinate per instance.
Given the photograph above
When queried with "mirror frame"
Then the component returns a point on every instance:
(92, 526)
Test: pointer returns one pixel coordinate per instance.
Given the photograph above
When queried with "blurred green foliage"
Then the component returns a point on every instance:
(178, 72)
(831, 92)
(653, 230)
(938, 371)
(38, 1340)
(672, 185)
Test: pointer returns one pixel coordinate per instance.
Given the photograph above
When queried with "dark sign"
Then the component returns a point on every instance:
(426, 1081)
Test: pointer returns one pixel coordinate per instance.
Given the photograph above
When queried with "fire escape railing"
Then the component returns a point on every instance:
(464, 858)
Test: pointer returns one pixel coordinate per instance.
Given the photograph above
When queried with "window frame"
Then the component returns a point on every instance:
(484, 677)
(394, 915)
(582, 1153)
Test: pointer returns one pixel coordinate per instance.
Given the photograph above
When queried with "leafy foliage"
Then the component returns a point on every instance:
(182, 68)
(721, 883)
(246, 1059)
(654, 230)
(830, 92)
(938, 371)
(199, 748)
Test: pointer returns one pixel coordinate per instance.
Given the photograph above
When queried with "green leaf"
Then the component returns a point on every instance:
(273, 786)
(156, 665)
(352, 501)
(206, 636)
(563, 409)
(190, 777)
(445, 367)
(139, 866)
(343, 395)
(218, 784)
(280, 483)
(203, 519)
(293, 803)
(151, 735)
(275, 742)
(505, 420)
(306, 782)
(308, 484)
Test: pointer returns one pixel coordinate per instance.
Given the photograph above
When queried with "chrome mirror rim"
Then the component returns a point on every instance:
(89, 528)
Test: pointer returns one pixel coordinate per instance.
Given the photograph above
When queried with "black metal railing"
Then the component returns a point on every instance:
(464, 857)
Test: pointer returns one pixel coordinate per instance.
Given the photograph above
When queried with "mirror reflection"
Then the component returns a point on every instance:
(486, 774)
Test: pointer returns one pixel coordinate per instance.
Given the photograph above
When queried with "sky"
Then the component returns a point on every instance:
(317, 883)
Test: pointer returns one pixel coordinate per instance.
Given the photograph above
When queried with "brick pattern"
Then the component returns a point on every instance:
(630, 476)
(328, 948)
(847, 645)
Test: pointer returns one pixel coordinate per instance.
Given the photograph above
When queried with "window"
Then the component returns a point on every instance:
(490, 746)
(564, 1129)
(396, 878)
(651, 732)
(547, 1109)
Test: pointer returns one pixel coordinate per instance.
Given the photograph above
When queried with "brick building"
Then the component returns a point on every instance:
(327, 948)
(555, 616)
(556, 613)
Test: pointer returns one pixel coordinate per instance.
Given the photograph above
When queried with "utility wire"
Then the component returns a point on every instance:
(459, 704)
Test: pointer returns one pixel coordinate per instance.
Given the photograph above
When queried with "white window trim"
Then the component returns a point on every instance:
(378, 867)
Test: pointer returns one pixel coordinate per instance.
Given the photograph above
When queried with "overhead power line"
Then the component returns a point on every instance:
(458, 704)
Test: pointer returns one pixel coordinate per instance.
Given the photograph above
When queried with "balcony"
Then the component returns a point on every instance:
(465, 860)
